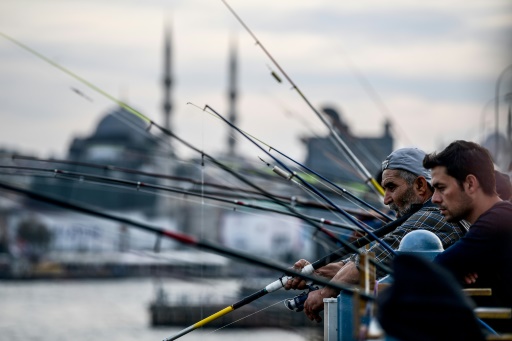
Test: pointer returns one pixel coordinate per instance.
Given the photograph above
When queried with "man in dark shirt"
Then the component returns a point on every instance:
(464, 182)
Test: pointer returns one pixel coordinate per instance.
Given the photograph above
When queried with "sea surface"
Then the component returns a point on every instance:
(113, 310)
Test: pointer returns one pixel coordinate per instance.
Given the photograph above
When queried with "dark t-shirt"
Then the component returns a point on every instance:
(486, 249)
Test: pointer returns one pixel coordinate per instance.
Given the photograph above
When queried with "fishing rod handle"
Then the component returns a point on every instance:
(276, 285)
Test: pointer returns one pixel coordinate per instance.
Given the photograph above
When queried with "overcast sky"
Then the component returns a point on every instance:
(428, 66)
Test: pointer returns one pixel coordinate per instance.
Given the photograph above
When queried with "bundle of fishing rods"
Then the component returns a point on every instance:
(247, 193)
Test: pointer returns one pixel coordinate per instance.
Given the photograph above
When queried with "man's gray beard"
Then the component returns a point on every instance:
(410, 198)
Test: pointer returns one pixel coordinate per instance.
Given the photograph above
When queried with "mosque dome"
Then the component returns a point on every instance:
(119, 123)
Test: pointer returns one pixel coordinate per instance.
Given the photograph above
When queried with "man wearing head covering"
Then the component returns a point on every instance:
(407, 184)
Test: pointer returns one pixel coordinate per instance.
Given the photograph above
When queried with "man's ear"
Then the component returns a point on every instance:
(471, 184)
(420, 184)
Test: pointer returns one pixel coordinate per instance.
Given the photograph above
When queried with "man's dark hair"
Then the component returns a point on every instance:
(503, 185)
(462, 158)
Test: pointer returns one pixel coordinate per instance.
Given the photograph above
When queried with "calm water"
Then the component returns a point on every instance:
(113, 310)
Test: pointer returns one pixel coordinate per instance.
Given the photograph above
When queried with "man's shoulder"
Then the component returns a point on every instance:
(428, 210)
(500, 213)
(428, 215)
(499, 210)
(503, 205)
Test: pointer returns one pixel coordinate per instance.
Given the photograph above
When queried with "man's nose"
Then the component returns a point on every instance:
(436, 198)
(387, 198)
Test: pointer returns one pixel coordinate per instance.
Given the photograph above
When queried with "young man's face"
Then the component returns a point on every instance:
(453, 202)
(399, 196)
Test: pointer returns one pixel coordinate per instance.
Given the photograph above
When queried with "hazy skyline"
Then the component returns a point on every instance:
(433, 67)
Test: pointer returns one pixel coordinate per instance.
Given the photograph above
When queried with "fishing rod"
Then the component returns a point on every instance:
(308, 269)
(169, 133)
(330, 235)
(228, 191)
(342, 190)
(141, 186)
(340, 143)
(293, 200)
(288, 174)
(196, 243)
(151, 123)
(162, 129)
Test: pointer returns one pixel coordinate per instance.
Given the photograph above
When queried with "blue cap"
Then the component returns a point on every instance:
(409, 159)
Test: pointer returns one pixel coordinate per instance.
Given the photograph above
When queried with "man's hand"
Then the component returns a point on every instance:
(297, 282)
(327, 271)
(315, 302)
(471, 278)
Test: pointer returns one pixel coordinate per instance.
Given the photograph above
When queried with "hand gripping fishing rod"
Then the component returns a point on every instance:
(197, 243)
(289, 174)
(340, 143)
(306, 271)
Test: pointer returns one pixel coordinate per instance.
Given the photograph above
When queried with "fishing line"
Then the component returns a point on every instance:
(308, 269)
(191, 241)
(220, 165)
(251, 138)
(340, 143)
(180, 237)
(372, 93)
(311, 193)
(243, 318)
(92, 86)
(192, 181)
(318, 197)
(291, 175)
(113, 168)
(124, 185)
(335, 190)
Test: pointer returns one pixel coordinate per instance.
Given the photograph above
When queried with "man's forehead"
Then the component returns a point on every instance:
(390, 174)
(439, 174)
(439, 171)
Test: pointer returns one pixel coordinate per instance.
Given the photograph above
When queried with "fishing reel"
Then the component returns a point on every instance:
(297, 303)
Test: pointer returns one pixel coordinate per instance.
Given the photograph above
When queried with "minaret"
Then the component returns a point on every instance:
(232, 115)
(167, 106)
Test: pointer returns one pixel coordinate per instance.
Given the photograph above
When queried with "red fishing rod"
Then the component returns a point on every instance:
(167, 132)
(200, 244)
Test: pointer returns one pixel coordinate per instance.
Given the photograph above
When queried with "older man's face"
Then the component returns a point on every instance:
(399, 196)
